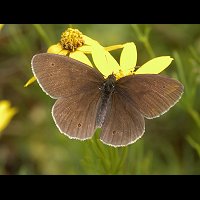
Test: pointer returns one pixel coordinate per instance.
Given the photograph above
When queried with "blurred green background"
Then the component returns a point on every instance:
(32, 144)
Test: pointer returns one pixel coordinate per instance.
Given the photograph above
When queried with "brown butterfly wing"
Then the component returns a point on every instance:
(61, 76)
(123, 124)
(75, 116)
(76, 86)
(151, 94)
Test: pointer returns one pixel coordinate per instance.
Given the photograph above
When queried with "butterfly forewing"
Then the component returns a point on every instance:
(61, 76)
(123, 124)
(151, 94)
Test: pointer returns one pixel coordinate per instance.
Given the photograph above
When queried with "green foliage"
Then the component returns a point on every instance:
(32, 144)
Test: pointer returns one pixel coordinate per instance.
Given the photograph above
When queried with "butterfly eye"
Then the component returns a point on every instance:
(53, 64)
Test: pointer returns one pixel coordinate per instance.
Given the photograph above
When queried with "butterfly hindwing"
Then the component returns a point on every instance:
(75, 116)
(123, 123)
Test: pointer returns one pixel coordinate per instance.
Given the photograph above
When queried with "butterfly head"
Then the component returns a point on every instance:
(109, 84)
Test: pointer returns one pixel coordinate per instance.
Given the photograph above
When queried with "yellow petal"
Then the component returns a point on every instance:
(155, 66)
(112, 63)
(1, 26)
(104, 62)
(85, 49)
(56, 48)
(80, 56)
(89, 41)
(63, 52)
(6, 114)
(128, 58)
(114, 47)
(30, 81)
(4, 105)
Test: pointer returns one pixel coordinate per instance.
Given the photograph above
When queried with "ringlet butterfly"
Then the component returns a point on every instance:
(87, 101)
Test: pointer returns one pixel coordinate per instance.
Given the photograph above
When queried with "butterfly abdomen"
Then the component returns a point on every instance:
(107, 88)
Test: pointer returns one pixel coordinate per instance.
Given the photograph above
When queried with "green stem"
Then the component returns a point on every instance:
(114, 157)
(194, 115)
(144, 39)
(149, 48)
(123, 158)
(111, 158)
(194, 144)
(100, 153)
(180, 69)
(42, 33)
(194, 54)
(192, 112)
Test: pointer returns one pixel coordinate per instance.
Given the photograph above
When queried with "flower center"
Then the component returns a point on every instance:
(121, 74)
(71, 39)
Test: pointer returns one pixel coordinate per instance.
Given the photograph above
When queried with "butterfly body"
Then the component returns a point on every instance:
(86, 101)
(107, 89)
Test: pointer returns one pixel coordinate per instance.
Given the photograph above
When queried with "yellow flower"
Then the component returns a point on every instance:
(1, 26)
(75, 45)
(107, 65)
(6, 114)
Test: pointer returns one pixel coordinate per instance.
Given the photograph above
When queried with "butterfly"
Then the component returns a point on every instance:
(87, 101)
